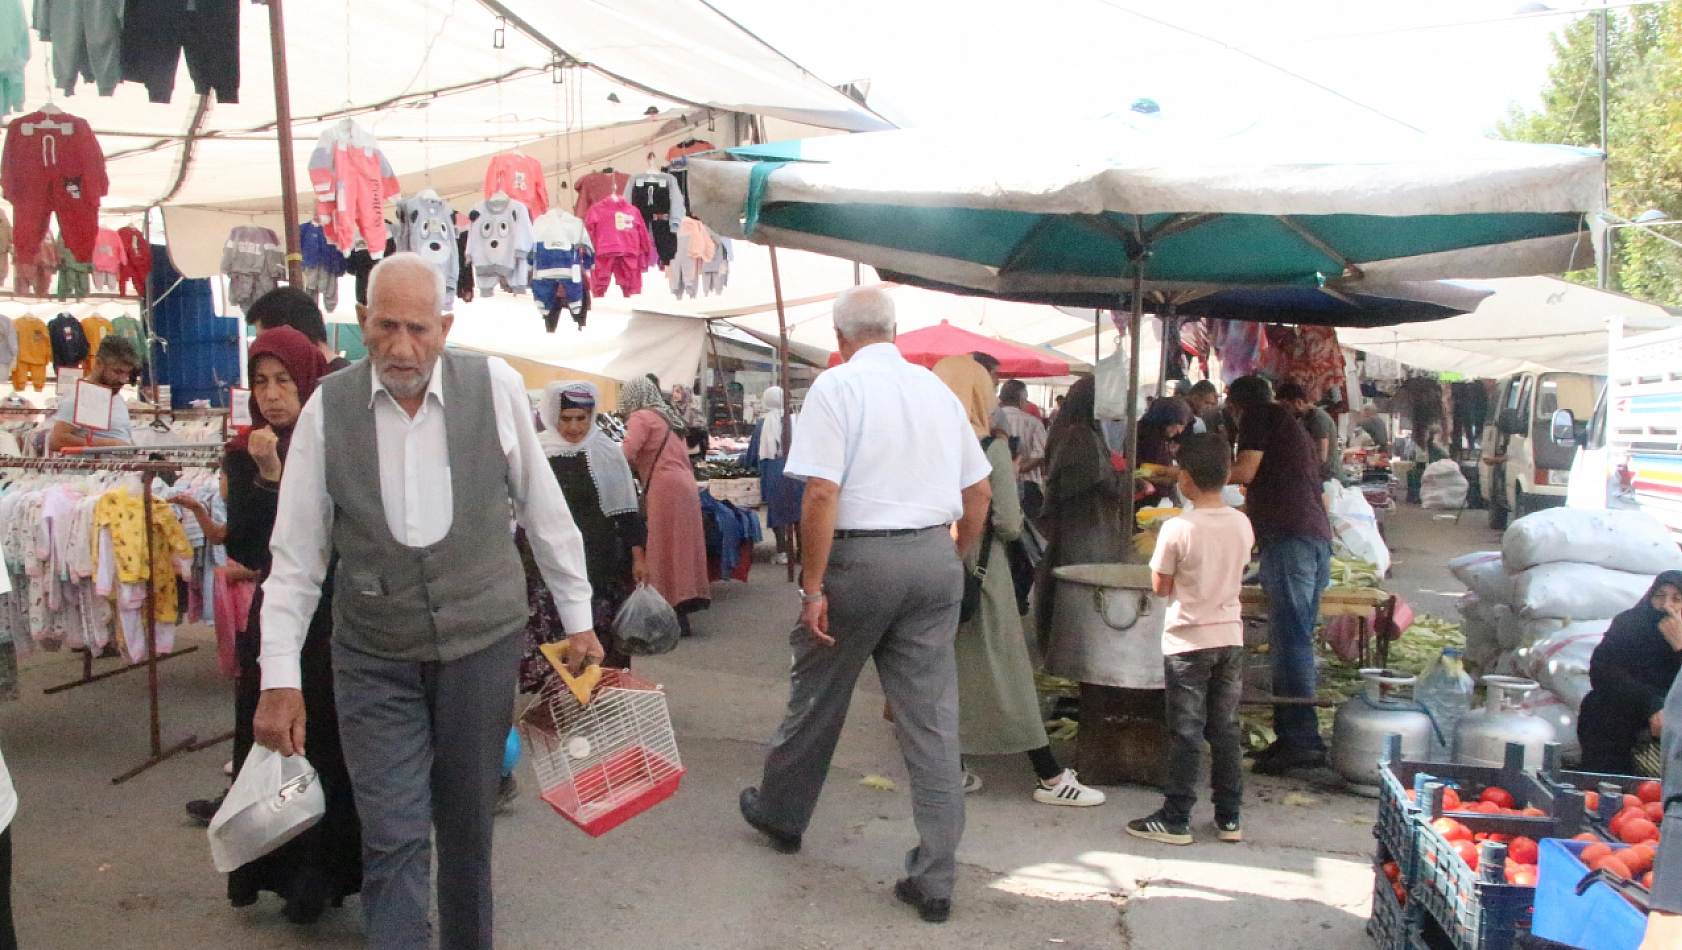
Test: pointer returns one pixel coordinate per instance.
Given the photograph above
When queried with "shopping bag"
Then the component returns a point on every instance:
(275, 798)
(1356, 527)
(646, 625)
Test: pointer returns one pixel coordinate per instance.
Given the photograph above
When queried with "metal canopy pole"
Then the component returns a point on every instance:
(1132, 438)
(283, 129)
(782, 379)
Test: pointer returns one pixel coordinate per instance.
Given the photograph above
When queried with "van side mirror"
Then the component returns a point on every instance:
(1511, 422)
(1564, 428)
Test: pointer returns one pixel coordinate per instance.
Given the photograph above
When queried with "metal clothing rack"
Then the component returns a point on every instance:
(147, 468)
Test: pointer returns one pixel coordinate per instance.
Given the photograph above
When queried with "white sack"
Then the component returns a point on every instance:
(1561, 662)
(1442, 485)
(1477, 625)
(1509, 627)
(1614, 539)
(1549, 708)
(1576, 591)
(1111, 379)
(1539, 629)
(275, 799)
(1485, 573)
(1355, 527)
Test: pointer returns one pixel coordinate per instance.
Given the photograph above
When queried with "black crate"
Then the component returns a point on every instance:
(1558, 781)
(1393, 925)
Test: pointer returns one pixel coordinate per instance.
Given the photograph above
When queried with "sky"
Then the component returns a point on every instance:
(946, 62)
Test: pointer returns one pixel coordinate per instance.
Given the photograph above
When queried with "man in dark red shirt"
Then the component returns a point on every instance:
(1281, 466)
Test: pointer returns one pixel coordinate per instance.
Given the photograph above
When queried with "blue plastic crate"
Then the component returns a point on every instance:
(1475, 914)
(1598, 919)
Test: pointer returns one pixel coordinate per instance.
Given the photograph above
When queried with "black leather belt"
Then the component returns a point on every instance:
(855, 533)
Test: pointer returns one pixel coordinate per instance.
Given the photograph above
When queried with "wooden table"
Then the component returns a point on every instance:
(1361, 603)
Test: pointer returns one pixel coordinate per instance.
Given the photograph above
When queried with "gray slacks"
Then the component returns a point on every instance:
(424, 744)
(894, 600)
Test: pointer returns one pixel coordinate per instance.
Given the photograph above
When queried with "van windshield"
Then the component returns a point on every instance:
(1576, 392)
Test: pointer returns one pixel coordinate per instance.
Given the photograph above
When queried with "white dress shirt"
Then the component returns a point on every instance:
(418, 496)
(894, 437)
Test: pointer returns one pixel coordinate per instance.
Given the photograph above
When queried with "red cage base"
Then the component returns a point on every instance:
(602, 808)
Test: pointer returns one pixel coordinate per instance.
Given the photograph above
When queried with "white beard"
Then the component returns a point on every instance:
(406, 388)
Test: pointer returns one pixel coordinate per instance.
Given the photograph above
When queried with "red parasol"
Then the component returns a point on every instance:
(930, 345)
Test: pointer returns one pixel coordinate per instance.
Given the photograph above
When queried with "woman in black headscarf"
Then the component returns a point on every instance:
(1166, 418)
(1630, 674)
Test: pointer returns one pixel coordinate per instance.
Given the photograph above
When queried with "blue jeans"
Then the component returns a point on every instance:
(1294, 570)
(1203, 688)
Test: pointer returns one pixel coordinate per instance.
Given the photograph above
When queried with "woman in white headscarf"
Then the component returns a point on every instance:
(677, 539)
(767, 451)
(596, 480)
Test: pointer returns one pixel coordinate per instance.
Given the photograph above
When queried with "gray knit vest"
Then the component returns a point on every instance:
(446, 600)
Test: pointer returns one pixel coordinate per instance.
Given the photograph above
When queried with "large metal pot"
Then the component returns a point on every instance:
(1481, 737)
(1106, 626)
(1384, 706)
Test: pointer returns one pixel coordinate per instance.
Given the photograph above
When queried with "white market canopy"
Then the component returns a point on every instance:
(1527, 324)
(428, 79)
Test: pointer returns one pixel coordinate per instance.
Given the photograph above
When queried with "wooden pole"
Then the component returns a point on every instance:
(283, 127)
(1132, 439)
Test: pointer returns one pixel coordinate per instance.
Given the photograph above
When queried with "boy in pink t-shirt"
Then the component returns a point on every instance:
(1199, 562)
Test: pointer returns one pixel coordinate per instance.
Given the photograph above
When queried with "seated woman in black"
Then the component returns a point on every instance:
(1629, 675)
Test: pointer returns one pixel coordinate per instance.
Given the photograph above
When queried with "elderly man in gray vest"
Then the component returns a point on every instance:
(405, 465)
(891, 465)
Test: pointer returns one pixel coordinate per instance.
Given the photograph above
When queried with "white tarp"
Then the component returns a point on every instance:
(1527, 324)
(619, 343)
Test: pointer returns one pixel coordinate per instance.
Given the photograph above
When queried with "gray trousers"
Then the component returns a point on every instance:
(894, 600)
(424, 744)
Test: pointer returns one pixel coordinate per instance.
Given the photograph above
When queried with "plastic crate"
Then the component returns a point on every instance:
(1392, 924)
(1597, 919)
(1556, 780)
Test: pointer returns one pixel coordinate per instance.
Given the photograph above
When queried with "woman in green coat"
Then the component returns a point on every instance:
(998, 709)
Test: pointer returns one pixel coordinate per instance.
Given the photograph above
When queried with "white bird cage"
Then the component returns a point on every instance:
(604, 763)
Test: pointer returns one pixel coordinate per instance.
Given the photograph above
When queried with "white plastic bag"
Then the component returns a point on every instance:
(1110, 376)
(1486, 573)
(1442, 485)
(1509, 627)
(1355, 526)
(275, 798)
(646, 624)
(1619, 540)
(1576, 591)
(1561, 662)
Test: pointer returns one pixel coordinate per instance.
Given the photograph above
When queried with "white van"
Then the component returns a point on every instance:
(1632, 456)
(1537, 469)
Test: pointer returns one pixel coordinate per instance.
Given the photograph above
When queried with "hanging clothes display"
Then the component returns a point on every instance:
(695, 249)
(1310, 355)
(35, 351)
(74, 277)
(596, 186)
(1241, 345)
(499, 240)
(87, 41)
(137, 262)
(107, 260)
(52, 165)
(352, 182)
(464, 277)
(561, 255)
(14, 55)
(715, 274)
(519, 176)
(657, 197)
(133, 331)
(1194, 342)
(426, 226)
(36, 265)
(624, 248)
(96, 328)
(254, 261)
(5, 238)
(8, 345)
(156, 33)
(69, 342)
(323, 265)
(360, 265)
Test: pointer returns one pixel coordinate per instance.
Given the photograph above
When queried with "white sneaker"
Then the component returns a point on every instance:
(781, 558)
(972, 782)
(1068, 790)
(228, 768)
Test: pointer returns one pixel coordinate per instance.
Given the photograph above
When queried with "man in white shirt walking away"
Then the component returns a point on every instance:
(891, 464)
(412, 492)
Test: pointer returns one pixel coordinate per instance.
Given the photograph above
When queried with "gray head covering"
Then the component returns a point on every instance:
(615, 489)
(642, 394)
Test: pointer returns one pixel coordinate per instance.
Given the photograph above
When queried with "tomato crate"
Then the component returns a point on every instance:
(1393, 923)
(1598, 918)
(1558, 781)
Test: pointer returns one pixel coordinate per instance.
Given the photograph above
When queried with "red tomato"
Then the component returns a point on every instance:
(1589, 837)
(1593, 853)
(1499, 796)
(1534, 812)
(1469, 853)
(1649, 792)
(1400, 892)
(1591, 801)
(1392, 871)
(1647, 880)
(1638, 859)
(1523, 850)
(1451, 800)
(1612, 864)
(1503, 839)
(1655, 811)
(1525, 876)
(1631, 801)
(1451, 829)
(1412, 795)
(1637, 830)
(1623, 818)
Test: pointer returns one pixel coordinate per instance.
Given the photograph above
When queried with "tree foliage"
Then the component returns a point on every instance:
(1644, 133)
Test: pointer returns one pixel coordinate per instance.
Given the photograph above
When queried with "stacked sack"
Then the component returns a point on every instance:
(1540, 605)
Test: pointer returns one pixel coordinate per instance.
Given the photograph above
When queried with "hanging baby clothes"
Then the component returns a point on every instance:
(14, 55)
(97, 329)
(52, 165)
(596, 186)
(323, 265)
(519, 177)
(715, 274)
(695, 248)
(1194, 341)
(131, 330)
(360, 265)
(35, 351)
(157, 32)
(426, 226)
(352, 182)
(255, 263)
(36, 264)
(464, 277)
(623, 246)
(560, 256)
(499, 241)
(5, 236)
(70, 342)
(73, 276)
(87, 41)
(107, 260)
(137, 262)
(8, 345)
(656, 196)
(1242, 347)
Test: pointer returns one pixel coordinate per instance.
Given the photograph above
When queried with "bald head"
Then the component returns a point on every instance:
(865, 315)
(403, 324)
(407, 273)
